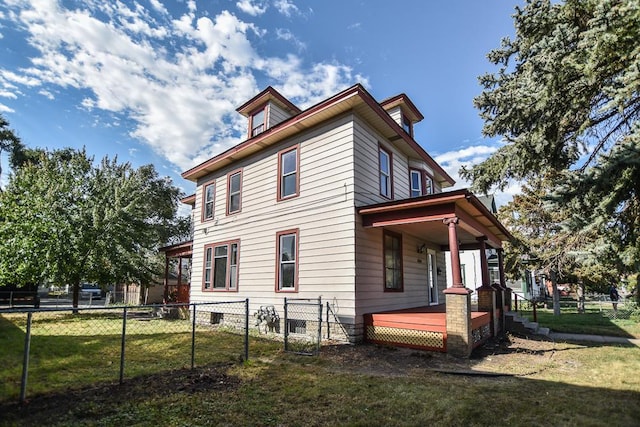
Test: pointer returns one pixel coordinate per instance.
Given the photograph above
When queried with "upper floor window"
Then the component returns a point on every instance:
(407, 125)
(428, 185)
(234, 192)
(393, 280)
(287, 268)
(208, 200)
(416, 183)
(221, 266)
(385, 173)
(421, 183)
(288, 177)
(257, 121)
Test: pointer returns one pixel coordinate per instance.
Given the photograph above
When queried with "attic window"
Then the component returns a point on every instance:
(257, 121)
(407, 125)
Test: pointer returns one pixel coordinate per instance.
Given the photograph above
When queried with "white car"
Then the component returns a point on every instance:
(90, 290)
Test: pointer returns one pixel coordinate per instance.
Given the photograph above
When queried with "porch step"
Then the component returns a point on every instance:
(522, 325)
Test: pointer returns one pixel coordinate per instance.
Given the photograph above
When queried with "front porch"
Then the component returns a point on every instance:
(423, 328)
(450, 222)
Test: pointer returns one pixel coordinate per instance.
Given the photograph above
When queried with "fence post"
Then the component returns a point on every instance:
(25, 359)
(193, 337)
(328, 328)
(246, 329)
(319, 323)
(124, 333)
(516, 299)
(286, 329)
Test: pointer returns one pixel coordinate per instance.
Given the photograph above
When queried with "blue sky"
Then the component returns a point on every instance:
(158, 81)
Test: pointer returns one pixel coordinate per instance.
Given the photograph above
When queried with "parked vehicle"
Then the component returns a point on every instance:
(20, 295)
(90, 290)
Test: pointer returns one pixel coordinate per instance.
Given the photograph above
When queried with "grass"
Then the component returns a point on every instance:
(540, 383)
(593, 322)
(70, 351)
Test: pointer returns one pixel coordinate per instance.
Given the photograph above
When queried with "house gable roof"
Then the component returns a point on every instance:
(269, 94)
(408, 108)
(357, 99)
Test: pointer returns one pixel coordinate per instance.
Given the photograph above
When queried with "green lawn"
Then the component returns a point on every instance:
(537, 382)
(593, 321)
(70, 351)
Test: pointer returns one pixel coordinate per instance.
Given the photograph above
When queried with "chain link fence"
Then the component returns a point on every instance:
(624, 308)
(52, 349)
(302, 325)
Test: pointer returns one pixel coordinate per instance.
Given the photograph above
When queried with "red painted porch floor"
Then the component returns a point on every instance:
(434, 315)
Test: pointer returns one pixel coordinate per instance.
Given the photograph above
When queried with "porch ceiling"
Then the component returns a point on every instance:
(423, 217)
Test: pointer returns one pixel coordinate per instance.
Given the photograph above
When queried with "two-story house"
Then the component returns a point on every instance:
(338, 201)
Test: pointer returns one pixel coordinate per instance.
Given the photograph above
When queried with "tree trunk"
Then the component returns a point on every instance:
(76, 297)
(556, 293)
(581, 298)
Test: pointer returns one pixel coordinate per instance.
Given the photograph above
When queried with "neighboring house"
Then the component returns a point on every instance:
(336, 201)
(178, 259)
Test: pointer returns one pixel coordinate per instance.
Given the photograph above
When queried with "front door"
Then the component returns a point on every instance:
(432, 277)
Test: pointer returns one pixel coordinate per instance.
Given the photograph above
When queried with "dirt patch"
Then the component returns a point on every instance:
(44, 408)
(510, 355)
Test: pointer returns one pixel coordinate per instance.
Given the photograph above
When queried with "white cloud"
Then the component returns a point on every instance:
(252, 7)
(178, 78)
(286, 7)
(158, 6)
(452, 161)
(287, 35)
(8, 94)
(46, 94)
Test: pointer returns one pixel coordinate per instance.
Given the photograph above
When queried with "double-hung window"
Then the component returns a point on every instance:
(208, 201)
(384, 161)
(288, 173)
(428, 185)
(234, 192)
(392, 261)
(416, 183)
(421, 183)
(258, 122)
(287, 265)
(221, 266)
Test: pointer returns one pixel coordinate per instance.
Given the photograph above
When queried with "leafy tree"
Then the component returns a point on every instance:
(538, 235)
(66, 220)
(542, 240)
(566, 101)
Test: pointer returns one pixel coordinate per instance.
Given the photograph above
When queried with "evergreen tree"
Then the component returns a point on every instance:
(566, 101)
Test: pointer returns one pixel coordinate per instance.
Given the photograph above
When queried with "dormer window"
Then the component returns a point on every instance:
(257, 122)
(407, 125)
(266, 110)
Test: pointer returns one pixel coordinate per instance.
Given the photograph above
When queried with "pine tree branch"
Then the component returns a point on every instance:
(604, 140)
